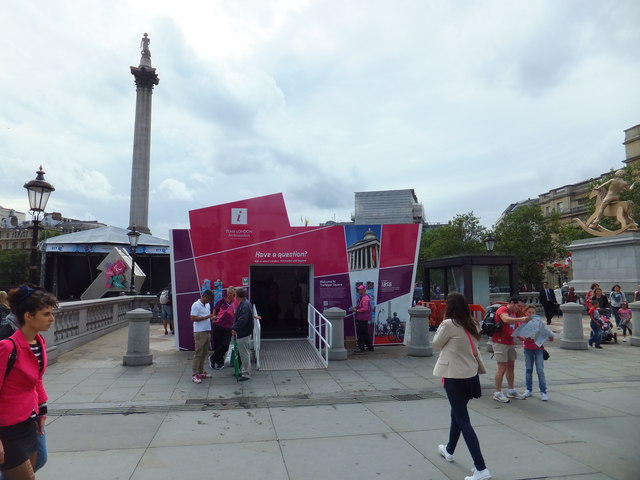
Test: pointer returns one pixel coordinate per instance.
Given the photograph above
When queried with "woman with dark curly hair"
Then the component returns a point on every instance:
(458, 365)
(23, 361)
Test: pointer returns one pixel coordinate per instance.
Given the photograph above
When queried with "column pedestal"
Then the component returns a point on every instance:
(138, 352)
(420, 341)
(335, 316)
(572, 332)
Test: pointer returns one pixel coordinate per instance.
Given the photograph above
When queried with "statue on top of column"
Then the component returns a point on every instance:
(144, 46)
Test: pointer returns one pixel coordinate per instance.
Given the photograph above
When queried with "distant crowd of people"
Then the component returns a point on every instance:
(600, 307)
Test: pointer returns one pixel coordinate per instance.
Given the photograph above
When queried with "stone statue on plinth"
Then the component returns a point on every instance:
(608, 204)
(144, 47)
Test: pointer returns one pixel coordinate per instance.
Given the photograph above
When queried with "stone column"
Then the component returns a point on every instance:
(635, 323)
(145, 78)
(572, 332)
(138, 346)
(420, 342)
(335, 316)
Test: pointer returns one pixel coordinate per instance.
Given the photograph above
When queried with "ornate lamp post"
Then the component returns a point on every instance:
(38, 191)
(490, 242)
(134, 236)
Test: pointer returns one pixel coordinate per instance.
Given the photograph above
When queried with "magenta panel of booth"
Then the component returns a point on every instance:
(250, 243)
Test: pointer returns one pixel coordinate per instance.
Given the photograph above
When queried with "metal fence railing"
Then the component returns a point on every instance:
(257, 335)
(320, 334)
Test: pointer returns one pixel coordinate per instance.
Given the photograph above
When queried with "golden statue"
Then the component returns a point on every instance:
(608, 204)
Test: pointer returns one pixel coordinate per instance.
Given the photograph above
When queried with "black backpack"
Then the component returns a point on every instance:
(490, 324)
(12, 358)
(7, 328)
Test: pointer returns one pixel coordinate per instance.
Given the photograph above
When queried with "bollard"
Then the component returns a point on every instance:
(335, 316)
(572, 332)
(635, 321)
(420, 341)
(138, 345)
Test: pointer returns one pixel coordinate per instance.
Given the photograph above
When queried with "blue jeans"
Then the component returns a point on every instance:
(532, 357)
(614, 310)
(596, 335)
(460, 423)
(167, 316)
(43, 453)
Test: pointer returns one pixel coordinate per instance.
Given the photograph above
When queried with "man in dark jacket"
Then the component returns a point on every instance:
(548, 301)
(242, 329)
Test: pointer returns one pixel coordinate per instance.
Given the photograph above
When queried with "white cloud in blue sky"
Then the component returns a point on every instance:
(474, 105)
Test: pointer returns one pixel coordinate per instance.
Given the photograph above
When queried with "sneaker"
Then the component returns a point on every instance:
(598, 346)
(196, 379)
(624, 339)
(218, 366)
(544, 397)
(479, 475)
(443, 451)
(527, 393)
(515, 394)
(499, 397)
(243, 378)
(205, 375)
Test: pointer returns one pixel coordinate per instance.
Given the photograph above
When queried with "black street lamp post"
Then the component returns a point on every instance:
(38, 191)
(490, 242)
(134, 236)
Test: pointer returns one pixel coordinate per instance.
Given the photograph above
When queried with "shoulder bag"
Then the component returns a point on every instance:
(481, 367)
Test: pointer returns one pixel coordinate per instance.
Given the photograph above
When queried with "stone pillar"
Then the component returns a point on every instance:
(572, 333)
(336, 317)
(635, 322)
(138, 346)
(420, 342)
(145, 78)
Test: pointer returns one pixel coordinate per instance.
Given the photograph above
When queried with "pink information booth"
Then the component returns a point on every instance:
(250, 243)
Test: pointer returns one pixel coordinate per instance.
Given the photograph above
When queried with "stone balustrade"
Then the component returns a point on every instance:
(82, 321)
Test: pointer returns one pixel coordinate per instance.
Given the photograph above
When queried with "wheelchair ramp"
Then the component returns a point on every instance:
(289, 354)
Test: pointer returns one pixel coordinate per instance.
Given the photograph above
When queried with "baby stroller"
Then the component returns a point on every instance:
(607, 329)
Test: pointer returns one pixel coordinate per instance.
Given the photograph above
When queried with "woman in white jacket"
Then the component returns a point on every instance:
(457, 338)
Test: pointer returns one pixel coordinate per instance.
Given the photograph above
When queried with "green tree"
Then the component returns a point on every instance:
(14, 267)
(462, 235)
(532, 238)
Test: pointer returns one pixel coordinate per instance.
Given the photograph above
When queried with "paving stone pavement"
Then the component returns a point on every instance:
(375, 415)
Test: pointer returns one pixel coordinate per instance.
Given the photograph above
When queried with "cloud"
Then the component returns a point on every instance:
(175, 189)
(316, 99)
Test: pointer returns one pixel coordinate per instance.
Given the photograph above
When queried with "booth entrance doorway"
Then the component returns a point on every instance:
(281, 295)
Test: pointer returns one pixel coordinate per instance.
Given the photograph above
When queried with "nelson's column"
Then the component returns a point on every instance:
(145, 78)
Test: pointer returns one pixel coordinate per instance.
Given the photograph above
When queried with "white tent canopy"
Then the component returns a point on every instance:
(103, 239)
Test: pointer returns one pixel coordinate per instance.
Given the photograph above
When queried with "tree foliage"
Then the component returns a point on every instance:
(462, 235)
(14, 267)
(532, 238)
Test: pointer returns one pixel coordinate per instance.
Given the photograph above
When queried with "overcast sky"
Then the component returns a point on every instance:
(474, 104)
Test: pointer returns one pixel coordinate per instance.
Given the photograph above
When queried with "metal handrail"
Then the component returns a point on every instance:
(257, 335)
(320, 333)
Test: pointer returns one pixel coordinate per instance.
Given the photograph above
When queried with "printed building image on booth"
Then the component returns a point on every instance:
(251, 244)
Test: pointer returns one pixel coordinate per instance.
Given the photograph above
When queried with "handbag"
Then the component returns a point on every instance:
(481, 367)
(545, 354)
